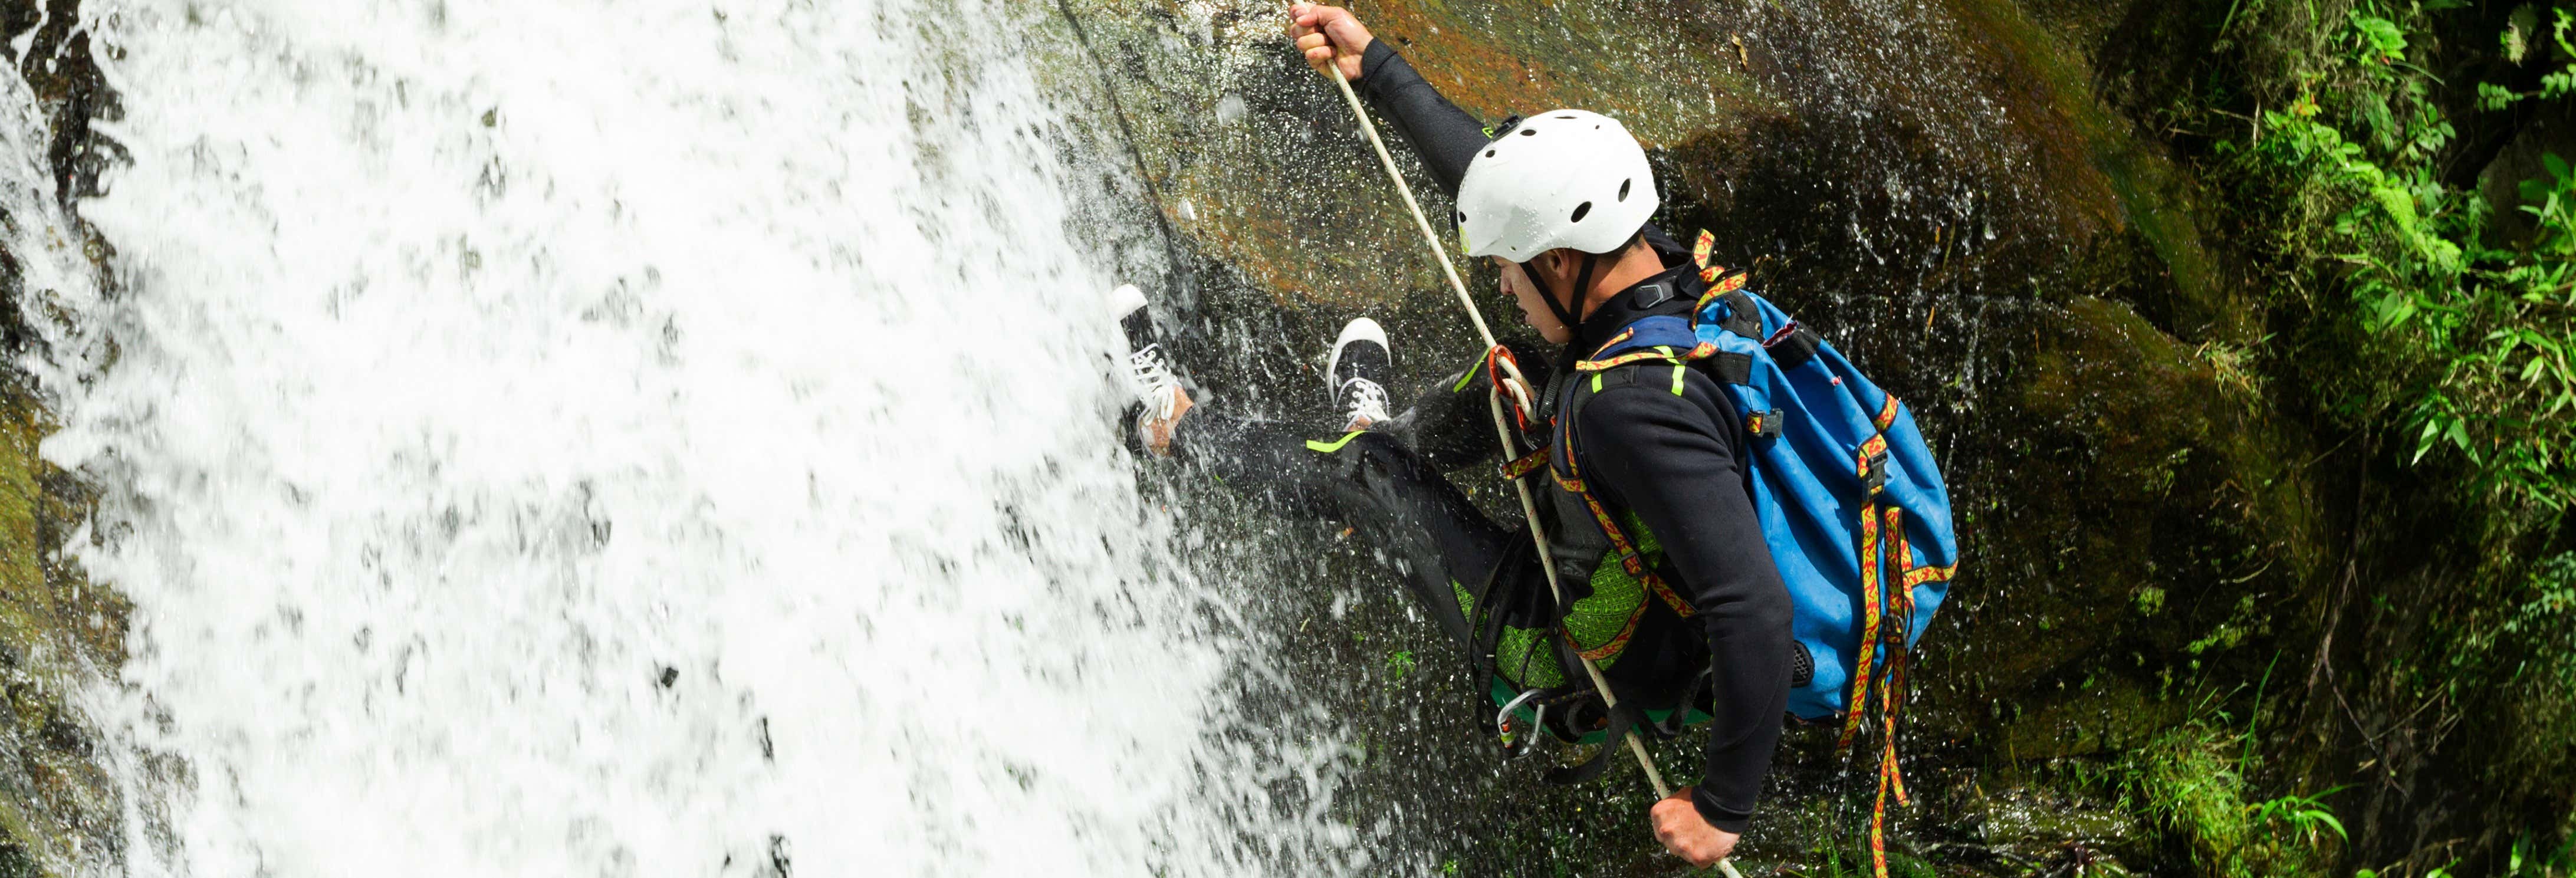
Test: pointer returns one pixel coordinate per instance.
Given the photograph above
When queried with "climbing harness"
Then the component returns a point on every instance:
(1499, 360)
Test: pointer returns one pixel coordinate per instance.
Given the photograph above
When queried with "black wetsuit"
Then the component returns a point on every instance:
(1673, 459)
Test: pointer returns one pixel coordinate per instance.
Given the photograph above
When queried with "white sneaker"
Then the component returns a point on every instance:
(1358, 371)
(1149, 368)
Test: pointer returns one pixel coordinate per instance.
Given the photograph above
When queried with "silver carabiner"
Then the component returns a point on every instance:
(1538, 722)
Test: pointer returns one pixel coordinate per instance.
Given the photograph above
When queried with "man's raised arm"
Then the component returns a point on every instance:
(1444, 136)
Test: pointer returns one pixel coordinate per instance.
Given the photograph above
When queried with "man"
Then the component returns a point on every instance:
(1561, 203)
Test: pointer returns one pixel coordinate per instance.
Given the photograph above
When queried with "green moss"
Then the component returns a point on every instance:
(53, 800)
(2057, 830)
(2112, 714)
(2140, 188)
(16, 863)
(2231, 632)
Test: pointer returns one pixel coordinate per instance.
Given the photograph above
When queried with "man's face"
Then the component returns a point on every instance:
(1534, 310)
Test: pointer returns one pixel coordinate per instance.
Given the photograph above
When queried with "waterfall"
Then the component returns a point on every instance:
(631, 438)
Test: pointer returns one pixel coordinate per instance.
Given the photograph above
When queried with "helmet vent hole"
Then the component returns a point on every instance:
(1565, 117)
(1489, 153)
(1623, 187)
(1462, 217)
(1525, 132)
(1580, 210)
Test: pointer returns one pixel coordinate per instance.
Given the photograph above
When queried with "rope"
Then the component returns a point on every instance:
(1429, 237)
(1502, 426)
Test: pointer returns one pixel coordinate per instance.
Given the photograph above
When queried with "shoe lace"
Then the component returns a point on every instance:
(1152, 377)
(1363, 400)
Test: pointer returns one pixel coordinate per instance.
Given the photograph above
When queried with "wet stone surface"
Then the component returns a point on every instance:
(57, 805)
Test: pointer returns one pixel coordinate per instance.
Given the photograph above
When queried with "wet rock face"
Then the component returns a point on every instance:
(68, 86)
(57, 808)
(1951, 192)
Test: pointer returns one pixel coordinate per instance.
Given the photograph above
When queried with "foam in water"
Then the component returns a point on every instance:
(628, 438)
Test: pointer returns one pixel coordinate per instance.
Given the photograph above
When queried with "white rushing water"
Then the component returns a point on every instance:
(629, 438)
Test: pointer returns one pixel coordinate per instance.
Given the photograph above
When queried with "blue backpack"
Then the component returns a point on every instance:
(1850, 499)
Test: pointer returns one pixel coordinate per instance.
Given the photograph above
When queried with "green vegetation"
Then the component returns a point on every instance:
(1399, 664)
(1837, 846)
(2192, 781)
(2412, 229)
(2526, 860)
(2521, 654)
(2192, 784)
(2465, 318)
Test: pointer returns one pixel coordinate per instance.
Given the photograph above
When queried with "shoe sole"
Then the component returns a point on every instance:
(1359, 329)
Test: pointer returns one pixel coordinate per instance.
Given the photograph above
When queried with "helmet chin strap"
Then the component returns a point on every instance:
(1572, 318)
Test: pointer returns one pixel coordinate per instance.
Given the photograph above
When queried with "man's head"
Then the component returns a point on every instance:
(1550, 200)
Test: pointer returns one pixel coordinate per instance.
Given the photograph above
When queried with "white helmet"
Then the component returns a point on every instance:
(1566, 178)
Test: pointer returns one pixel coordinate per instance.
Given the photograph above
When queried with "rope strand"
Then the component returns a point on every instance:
(1429, 237)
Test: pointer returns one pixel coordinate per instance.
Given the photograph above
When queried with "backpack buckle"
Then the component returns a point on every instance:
(1876, 475)
(1765, 425)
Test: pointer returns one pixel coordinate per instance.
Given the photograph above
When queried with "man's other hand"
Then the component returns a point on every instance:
(1329, 34)
(1681, 829)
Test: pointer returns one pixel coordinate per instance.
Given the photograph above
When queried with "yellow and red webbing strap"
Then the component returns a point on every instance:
(1891, 696)
(1899, 636)
(1612, 646)
(1661, 353)
(1869, 595)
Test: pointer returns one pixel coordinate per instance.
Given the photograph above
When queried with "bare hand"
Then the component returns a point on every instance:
(1329, 34)
(1681, 829)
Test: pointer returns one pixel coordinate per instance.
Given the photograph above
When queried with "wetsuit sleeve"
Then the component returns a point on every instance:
(1673, 460)
(1444, 136)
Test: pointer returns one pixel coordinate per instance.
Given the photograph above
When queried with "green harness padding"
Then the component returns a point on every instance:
(1522, 657)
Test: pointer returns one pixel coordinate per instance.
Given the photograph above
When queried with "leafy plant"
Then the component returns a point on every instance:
(2431, 309)
(2515, 41)
(2306, 814)
(2466, 335)
(2530, 860)
(2191, 781)
(1399, 664)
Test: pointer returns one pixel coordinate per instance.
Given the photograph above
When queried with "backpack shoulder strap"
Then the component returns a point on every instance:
(1565, 463)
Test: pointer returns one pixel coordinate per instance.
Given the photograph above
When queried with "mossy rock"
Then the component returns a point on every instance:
(57, 805)
(58, 809)
(2139, 519)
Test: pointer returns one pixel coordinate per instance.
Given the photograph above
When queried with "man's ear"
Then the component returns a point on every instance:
(1557, 263)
